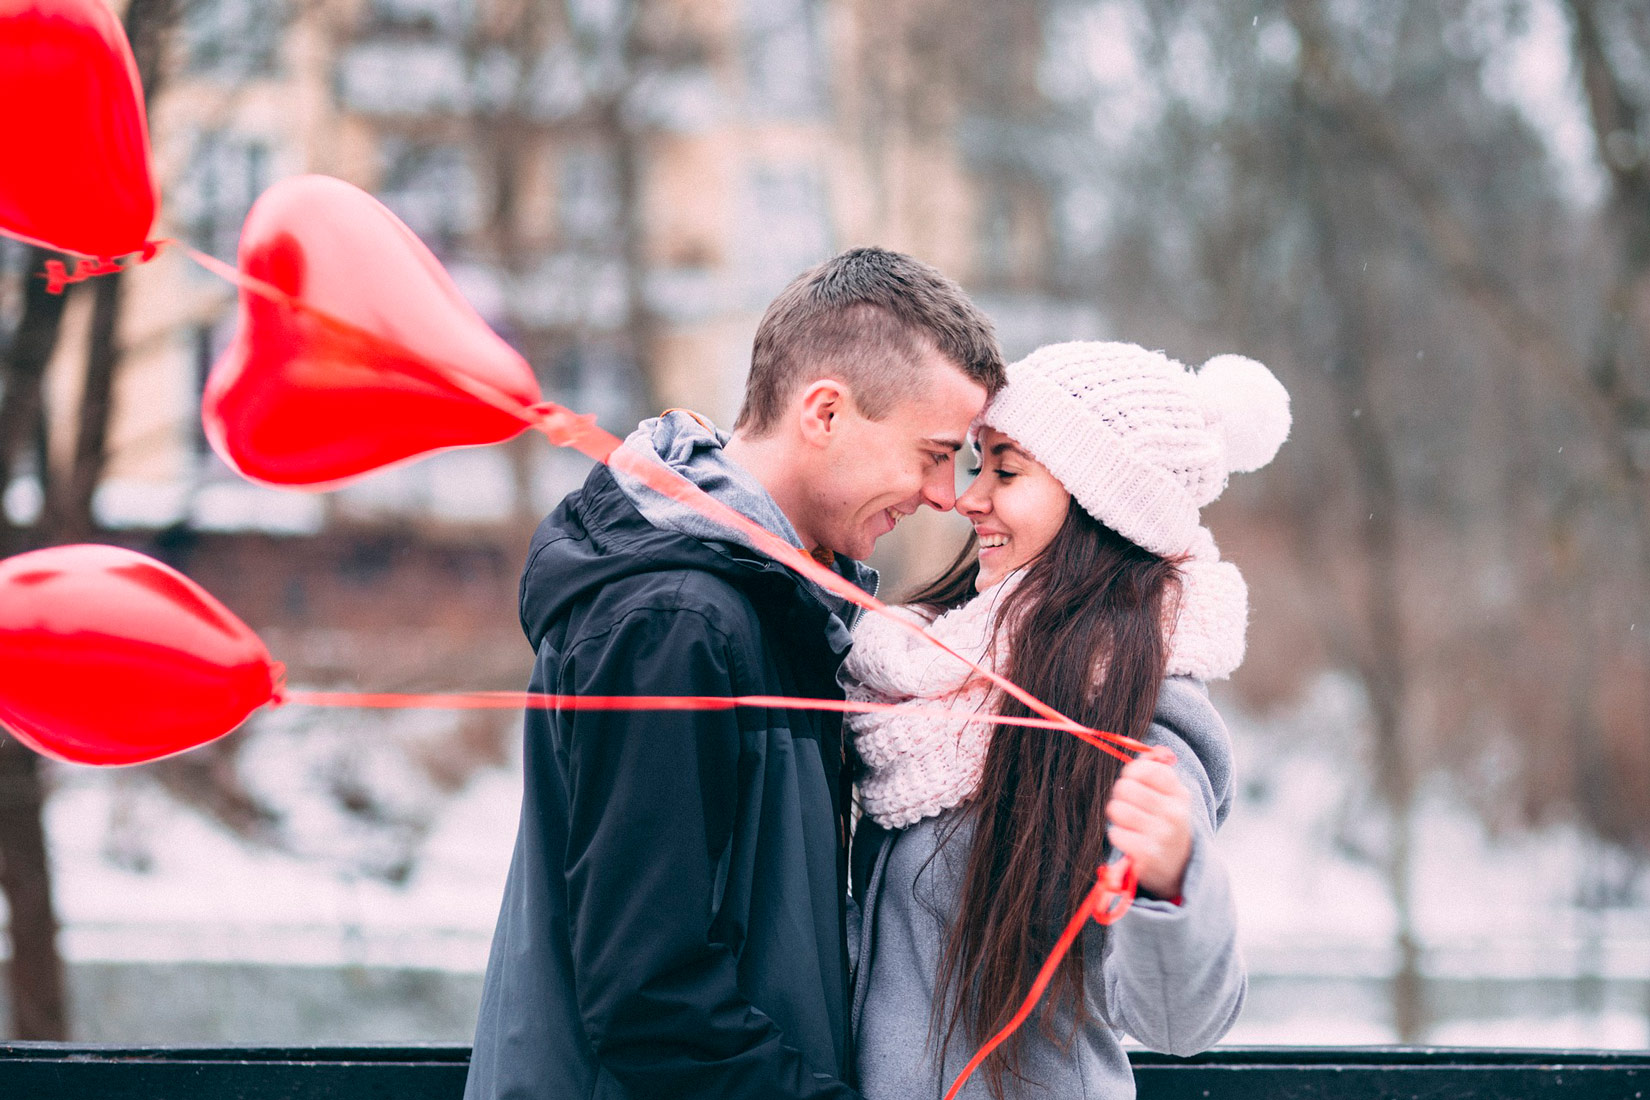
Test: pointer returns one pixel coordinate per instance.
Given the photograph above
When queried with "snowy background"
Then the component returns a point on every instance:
(1428, 218)
(177, 931)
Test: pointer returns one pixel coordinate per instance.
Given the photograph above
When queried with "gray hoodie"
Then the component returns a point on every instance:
(693, 447)
(1170, 975)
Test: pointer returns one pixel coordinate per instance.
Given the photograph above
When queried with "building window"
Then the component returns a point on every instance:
(405, 79)
(437, 18)
(783, 227)
(234, 39)
(209, 343)
(784, 56)
(433, 189)
(587, 199)
(226, 173)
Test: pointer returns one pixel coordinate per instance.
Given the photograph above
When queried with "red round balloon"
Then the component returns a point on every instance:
(300, 399)
(75, 169)
(110, 657)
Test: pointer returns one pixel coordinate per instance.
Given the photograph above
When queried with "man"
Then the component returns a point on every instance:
(673, 923)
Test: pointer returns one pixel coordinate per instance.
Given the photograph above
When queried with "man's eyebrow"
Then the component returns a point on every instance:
(946, 444)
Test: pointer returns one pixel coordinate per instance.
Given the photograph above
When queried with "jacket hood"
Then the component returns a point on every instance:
(597, 536)
(692, 446)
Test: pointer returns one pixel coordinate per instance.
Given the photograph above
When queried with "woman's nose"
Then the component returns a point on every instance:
(974, 501)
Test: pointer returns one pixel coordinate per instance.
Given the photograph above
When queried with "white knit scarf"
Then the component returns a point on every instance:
(919, 767)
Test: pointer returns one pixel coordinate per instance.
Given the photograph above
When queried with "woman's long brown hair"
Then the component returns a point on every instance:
(1086, 624)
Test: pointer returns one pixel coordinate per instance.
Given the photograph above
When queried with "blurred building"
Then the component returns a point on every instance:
(618, 186)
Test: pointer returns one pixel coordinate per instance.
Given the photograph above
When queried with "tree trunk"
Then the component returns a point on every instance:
(38, 1004)
(641, 329)
(68, 512)
(39, 1009)
(21, 408)
(1383, 657)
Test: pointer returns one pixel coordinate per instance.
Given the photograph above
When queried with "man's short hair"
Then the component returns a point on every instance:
(866, 318)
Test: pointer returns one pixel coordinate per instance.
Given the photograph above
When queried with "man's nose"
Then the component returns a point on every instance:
(939, 490)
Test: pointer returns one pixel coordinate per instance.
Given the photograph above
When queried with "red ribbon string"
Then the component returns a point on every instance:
(518, 700)
(1111, 897)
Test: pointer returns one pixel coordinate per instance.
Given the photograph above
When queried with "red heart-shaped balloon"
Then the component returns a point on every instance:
(109, 657)
(75, 169)
(375, 358)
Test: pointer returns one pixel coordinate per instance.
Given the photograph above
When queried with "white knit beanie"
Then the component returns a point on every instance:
(1143, 443)
(1139, 440)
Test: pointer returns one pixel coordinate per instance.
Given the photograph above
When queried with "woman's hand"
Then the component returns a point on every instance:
(1151, 822)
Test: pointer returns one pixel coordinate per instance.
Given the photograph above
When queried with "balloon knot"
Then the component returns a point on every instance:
(1116, 893)
(59, 276)
(277, 683)
(561, 425)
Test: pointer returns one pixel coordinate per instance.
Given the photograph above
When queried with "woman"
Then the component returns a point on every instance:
(1090, 582)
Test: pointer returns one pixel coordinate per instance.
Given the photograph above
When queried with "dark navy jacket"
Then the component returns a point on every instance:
(673, 922)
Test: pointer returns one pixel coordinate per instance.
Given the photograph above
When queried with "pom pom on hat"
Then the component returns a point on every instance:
(1248, 405)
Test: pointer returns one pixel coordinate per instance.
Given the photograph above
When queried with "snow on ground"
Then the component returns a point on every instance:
(208, 895)
(1304, 838)
(1509, 958)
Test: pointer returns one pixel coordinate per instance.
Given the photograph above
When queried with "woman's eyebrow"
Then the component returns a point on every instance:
(1005, 447)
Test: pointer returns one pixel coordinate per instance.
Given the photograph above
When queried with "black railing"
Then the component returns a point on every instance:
(57, 1071)
(1394, 1073)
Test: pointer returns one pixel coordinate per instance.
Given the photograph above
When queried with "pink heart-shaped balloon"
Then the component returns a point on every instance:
(74, 171)
(109, 657)
(376, 359)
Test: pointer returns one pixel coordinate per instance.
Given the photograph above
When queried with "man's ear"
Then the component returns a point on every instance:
(820, 409)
